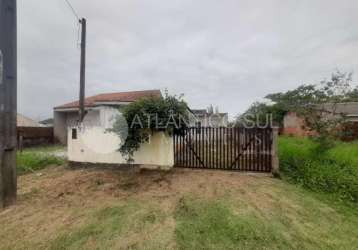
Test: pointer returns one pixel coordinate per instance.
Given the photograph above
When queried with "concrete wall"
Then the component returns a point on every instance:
(95, 145)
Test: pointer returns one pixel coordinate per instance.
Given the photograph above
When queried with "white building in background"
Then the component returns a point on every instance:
(205, 118)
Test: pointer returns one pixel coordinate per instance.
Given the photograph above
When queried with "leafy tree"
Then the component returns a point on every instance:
(317, 104)
(352, 96)
(262, 114)
(168, 114)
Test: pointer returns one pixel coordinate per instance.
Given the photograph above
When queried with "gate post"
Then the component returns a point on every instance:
(274, 153)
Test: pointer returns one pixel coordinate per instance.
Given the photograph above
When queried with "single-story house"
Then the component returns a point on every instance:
(295, 125)
(99, 108)
(93, 142)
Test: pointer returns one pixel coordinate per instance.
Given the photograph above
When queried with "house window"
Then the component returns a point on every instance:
(74, 134)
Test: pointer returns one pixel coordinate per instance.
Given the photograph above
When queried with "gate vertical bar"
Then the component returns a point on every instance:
(246, 149)
(189, 146)
(235, 147)
(229, 147)
(219, 155)
(174, 144)
(212, 146)
(251, 150)
(257, 149)
(232, 146)
(268, 149)
(239, 136)
(220, 148)
(223, 148)
(259, 156)
(263, 149)
(209, 147)
(206, 146)
(217, 147)
(186, 141)
(183, 148)
(197, 135)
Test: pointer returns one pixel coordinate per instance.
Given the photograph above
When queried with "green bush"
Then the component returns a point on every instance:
(30, 161)
(167, 114)
(334, 171)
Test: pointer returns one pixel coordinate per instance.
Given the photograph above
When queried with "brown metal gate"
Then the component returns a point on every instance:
(224, 148)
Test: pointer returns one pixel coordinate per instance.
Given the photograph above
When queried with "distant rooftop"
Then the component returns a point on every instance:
(129, 96)
(347, 108)
(23, 121)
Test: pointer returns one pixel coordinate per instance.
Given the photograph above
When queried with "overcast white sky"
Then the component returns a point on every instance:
(228, 53)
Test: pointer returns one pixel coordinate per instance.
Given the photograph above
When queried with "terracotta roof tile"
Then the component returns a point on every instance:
(129, 96)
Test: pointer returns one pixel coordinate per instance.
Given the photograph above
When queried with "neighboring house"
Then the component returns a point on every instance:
(349, 110)
(295, 125)
(206, 119)
(32, 133)
(23, 121)
(100, 110)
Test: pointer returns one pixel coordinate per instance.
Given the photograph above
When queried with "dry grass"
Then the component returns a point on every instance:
(63, 208)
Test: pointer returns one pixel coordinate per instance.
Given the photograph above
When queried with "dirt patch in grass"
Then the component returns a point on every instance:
(57, 185)
(63, 208)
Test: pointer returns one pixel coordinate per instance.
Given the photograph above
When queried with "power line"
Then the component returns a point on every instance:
(83, 22)
(72, 9)
(77, 17)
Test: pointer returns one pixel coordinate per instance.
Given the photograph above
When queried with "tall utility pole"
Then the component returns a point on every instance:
(8, 109)
(83, 69)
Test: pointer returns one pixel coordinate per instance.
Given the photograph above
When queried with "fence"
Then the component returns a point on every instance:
(32, 136)
(225, 148)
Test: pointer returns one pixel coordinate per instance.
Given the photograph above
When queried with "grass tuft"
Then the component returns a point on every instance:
(29, 162)
(37, 158)
(213, 225)
(109, 225)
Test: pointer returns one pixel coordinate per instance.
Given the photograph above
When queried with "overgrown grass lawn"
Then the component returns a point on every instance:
(334, 171)
(183, 209)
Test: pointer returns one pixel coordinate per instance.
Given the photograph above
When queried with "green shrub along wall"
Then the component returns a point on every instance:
(29, 161)
(334, 171)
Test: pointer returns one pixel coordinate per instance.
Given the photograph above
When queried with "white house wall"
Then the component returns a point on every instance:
(107, 116)
(95, 145)
(65, 119)
(60, 127)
